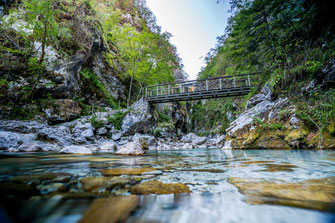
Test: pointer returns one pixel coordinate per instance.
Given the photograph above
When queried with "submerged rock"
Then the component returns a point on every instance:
(93, 184)
(76, 150)
(125, 171)
(318, 194)
(131, 148)
(157, 187)
(109, 210)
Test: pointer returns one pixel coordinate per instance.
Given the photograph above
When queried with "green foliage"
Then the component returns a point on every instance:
(162, 117)
(96, 123)
(93, 83)
(212, 114)
(116, 120)
(157, 133)
(318, 111)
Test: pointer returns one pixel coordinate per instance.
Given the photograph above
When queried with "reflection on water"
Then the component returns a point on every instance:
(48, 187)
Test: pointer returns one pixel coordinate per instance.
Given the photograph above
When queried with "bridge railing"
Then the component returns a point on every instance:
(202, 85)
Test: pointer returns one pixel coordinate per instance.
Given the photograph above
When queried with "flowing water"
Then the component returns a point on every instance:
(204, 171)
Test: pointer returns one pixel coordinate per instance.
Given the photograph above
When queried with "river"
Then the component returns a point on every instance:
(214, 177)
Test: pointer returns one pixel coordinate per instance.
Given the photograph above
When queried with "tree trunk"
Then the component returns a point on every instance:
(44, 40)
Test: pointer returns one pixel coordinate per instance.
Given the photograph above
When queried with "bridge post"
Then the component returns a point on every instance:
(206, 85)
(234, 82)
(169, 89)
(220, 80)
(249, 80)
(156, 91)
(146, 92)
(181, 89)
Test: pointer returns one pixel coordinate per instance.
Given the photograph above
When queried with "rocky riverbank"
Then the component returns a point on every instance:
(132, 133)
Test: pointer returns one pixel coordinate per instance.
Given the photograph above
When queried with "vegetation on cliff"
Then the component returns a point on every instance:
(291, 44)
(96, 52)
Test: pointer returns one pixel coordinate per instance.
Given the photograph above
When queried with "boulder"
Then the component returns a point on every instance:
(76, 150)
(11, 139)
(62, 110)
(150, 140)
(30, 147)
(157, 187)
(93, 184)
(139, 118)
(131, 148)
(108, 146)
(116, 134)
(193, 139)
(318, 194)
(102, 131)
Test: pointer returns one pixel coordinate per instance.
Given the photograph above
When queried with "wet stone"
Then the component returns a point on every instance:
(279, 167)
(109, 210)
(93, 184)
(318, 194)
(125, 171)
(157, 187)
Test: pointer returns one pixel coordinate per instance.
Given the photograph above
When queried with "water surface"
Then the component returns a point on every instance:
(205, 171)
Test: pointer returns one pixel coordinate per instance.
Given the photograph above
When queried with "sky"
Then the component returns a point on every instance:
(194, 25)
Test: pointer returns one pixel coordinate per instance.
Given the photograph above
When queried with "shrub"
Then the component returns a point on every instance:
(117, 119)
(96, 123)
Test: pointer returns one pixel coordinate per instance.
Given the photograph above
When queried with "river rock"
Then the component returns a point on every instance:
(193, 139)
(157, 187)
(112, 209)
(11, 139)
(93, 184)
(316, 194)
(131, 148)
(116, 134)
(108, 146)
(76, 150)
(102, 131)
(150, 140)
(125, 171)
(30, 147)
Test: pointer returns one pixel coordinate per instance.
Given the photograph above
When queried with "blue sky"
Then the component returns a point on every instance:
(194, 24)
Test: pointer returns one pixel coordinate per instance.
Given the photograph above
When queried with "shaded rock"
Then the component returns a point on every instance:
(139, 119)
(318, 194)
(150, 140)
(63, 110)
(76, 150)
(109, 210)
(125, 171)
(17, 189)
(194, 139)
(131, 148)
(93, 184)
(108, 146)
(43, 176)
(279, 167)
(116, 135)
(11, 139)
(157, 187)
(102, 131)
(30, 147)
(119, 182)
(88, 134)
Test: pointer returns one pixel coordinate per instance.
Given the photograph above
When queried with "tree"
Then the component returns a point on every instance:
(41, 17)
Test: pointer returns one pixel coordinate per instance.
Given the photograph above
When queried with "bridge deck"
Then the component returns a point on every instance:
(218, 87)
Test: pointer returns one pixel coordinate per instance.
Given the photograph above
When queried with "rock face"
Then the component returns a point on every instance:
(139, 119)
(267, 124)
(157, 187)
(194, 139)
(63, 110)
(316, 194)
(76, 150)
(131, 148)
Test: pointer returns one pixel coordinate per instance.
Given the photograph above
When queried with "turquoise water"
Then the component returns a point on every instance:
(205, 171)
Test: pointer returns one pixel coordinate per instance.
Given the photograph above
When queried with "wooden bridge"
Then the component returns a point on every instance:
(216, 87)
